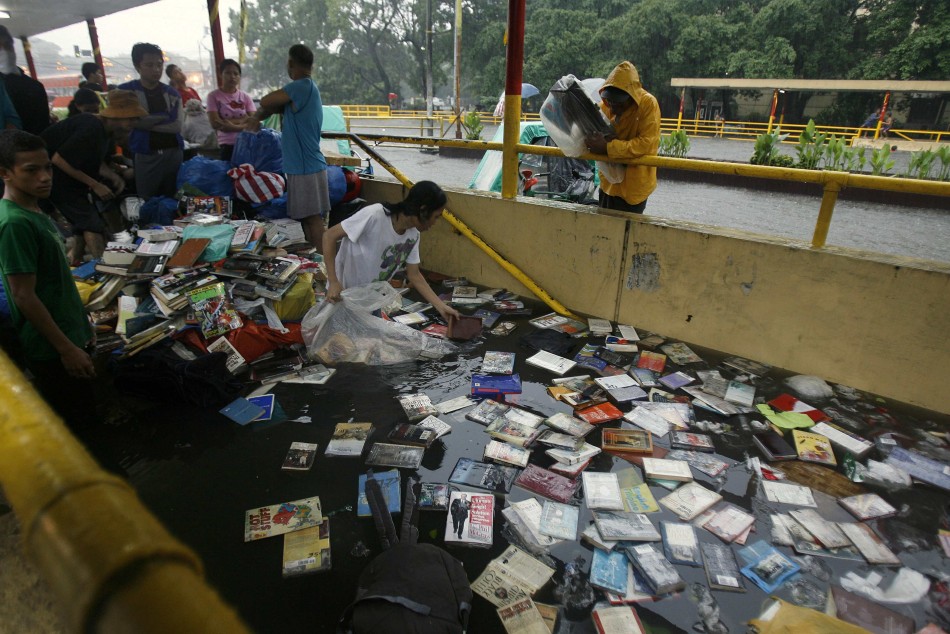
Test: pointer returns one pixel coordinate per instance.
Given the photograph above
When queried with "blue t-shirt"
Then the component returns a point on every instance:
(303, 120)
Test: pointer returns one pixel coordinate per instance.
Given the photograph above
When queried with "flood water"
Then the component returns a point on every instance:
(892, 229)
(198, 473)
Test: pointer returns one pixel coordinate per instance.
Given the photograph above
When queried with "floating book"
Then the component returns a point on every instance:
(277, 519)
(300, 456)
(389, 484)
(348, 439)
(307, 550)
(470, 520)
(492, 477)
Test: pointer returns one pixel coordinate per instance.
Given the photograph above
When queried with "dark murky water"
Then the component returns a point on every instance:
(198, 472)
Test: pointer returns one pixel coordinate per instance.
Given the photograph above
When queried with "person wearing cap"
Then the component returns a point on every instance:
(635, 115)
(79, 148)
(27, 95)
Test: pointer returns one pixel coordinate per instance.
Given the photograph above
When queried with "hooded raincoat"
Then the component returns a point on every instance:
(637, 134)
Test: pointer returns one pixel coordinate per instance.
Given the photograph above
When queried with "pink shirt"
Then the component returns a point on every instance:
(230, 106)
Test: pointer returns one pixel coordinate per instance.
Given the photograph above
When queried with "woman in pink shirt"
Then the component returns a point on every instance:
(229, 107)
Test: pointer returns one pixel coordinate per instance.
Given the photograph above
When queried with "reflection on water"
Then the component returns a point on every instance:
(198, 472)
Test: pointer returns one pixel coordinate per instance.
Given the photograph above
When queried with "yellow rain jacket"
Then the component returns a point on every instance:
(638, 134)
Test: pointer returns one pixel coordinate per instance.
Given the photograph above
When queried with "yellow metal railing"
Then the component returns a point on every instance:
(749, 130)
(110, 563)
(364, 110)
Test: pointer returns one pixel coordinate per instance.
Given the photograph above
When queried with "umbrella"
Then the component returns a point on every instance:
(527, 90)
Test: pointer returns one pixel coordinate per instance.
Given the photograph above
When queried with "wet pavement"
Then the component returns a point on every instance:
(887, 228)
(198, 473)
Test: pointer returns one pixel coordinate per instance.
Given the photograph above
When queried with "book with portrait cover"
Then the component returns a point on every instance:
(470, 520)
(300, 456)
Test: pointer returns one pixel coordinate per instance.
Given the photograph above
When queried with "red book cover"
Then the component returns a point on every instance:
(547, 483)
(788, 403)
(603, 413)
(651, 361)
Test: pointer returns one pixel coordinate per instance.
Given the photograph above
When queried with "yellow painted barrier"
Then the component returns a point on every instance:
(112, 565)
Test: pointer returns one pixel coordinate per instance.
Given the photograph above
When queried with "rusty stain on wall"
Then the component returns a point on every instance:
(644, 273)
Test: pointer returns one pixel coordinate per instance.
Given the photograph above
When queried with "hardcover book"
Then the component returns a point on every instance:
(623, 526)
(487, 411)
(722, 570)
(389, 484)
(658, 572)
(464, 328)
(627, 440)
(602, 491)
(300, 456)
(509, 454)
(415, 435)
(498, 362)
(547, 484)
(470, 520)
(433, 496)
(608, 571)
(416, 406)
(551, 362)
(189, 252)
(348, 439)
(813, 448)
(680, 543)
(559, 520)
(482, 475)
(581, 455)
(690, 500)
(401, 456)
(277, 519)
(495, 384)
(307, 550)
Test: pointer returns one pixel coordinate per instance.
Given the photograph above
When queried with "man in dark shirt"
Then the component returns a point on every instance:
(156, 139)
(80, 147)
(92, 77)
(28, 95)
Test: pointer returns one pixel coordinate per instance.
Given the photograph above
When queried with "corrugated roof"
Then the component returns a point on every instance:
(32, 17)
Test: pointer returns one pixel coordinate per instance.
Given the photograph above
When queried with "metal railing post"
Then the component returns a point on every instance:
(828, 200)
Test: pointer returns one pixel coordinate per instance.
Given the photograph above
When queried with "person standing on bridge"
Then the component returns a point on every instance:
(308, 194)
(635, 115)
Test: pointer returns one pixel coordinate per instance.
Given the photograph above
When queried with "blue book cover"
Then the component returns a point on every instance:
(609, 571)
(87, 269)
(488, 317)
(491, 384)
(389, 482)
(265, 402)
(242, 411)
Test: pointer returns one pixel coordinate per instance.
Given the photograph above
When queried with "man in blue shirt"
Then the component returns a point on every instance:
(308, 195)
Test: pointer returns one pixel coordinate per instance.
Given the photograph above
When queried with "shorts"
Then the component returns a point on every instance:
(81, 214)
(308, 195)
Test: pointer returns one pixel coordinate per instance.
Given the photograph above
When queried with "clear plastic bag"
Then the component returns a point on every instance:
(569, 115)
(347, 331)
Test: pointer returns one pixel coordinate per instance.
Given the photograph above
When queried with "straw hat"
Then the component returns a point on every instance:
(123, 104)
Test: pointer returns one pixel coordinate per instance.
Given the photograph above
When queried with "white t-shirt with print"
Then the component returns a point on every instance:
(372, 250)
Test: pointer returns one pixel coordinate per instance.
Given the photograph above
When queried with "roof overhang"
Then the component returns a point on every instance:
(32, 17)
(812, 85)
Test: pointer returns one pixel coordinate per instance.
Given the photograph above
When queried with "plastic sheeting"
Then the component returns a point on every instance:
(569, 115)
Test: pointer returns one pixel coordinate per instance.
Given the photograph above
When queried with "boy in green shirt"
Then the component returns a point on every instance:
(45, 306)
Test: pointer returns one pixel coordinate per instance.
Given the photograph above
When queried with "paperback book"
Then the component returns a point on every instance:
(551, 362)
(639, 499)
(690, 500)
(454, 404)
(401, 456)
(547, 484)
(481, 475)
(867, 506)
(300, 456)
(498, 363)
(767, 567)
(277, 519)
(559, 520)
(389, 483)
(523, 617)
(438, 426)
(658, 572)
(523, 417)
(616, 526)
(729, 523)
(722, 570)
(508, 454)
(676, 380)
(582, 454)
(627, 441)
(414, 435)
(602, 491)
(608, 571)
(307, 550)
(844, 440)
(348, 439)
(525, 519)
(569, 425)
(680, 543)
(470, 520)
(703, 462)
(498, 585)
(511, 432)
(213, 310)
(417, 406)
(680, 353)
(871, 547)
(691, 441)
(487, 411)
(648, 420)
(653, 361)
(599, 414)
(813, 448)
(827, 533)
(664, 469)
(433, 496)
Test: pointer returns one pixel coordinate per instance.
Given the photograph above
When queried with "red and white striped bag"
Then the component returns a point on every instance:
(256, 187)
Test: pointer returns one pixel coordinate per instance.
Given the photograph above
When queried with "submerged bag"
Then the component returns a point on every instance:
(410, 588)
(256, 187)
(159, 374)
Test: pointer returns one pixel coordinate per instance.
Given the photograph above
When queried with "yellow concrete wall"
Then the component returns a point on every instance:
(874, 322)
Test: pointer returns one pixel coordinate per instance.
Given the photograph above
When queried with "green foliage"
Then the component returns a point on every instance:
(811, 147)
(675, 145)
(783, 160)
(881, 161)
(944, 155)
(765, 151)
(856, 159)
(921, 163)
(472, 124)
(836, 154)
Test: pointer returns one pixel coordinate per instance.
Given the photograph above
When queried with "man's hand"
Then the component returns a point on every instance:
(103, 191)
(253, 124)
(78, 363)
(596, 143)
(334, 288)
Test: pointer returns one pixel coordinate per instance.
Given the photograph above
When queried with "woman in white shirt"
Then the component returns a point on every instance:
(378, 241)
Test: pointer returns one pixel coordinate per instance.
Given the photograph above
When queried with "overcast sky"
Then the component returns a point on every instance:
(178, 26)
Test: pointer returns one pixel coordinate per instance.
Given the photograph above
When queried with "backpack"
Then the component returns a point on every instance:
(410, 589)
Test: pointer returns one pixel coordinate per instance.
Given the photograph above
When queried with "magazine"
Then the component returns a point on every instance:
(213, 310)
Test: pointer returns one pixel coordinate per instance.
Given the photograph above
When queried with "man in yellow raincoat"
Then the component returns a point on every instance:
(635, 115)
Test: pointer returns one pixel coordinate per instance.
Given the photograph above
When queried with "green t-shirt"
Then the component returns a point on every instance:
(29, 243)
